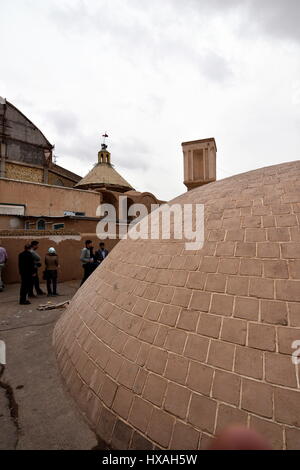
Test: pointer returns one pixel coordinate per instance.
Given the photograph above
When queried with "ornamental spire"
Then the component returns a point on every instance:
(103, 145)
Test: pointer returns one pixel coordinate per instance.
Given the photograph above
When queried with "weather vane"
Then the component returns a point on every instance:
(103, 145)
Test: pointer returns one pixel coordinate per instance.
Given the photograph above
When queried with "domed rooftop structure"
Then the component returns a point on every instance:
(162, 347)
(104, 176)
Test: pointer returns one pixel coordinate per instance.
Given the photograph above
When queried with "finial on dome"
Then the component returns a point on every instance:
(104, 155)
(105, 135)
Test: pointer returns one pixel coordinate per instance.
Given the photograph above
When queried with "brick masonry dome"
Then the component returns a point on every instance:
(163, 347)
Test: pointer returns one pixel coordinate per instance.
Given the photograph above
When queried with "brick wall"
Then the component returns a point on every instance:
(163, 347)
(22, 172)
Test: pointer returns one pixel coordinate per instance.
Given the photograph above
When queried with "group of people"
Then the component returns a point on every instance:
(30, 262)
(90, 260)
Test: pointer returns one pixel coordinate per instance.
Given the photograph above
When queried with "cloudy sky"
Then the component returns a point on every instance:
(155, 73)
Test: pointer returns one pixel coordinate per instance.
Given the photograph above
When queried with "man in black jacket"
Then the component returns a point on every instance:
(101, 254)
(27, 273)
(37, 264)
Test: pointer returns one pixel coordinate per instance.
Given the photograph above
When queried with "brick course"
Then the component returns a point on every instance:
(163, 347)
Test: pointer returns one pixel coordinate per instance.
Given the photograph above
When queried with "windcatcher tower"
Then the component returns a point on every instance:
(199, 158)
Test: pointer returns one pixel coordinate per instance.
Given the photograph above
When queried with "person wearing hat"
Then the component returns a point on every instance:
(50, 275)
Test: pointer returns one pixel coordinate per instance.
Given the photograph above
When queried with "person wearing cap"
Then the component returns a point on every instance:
(50, 275)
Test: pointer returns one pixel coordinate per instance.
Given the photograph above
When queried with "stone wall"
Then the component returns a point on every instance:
(24, 172)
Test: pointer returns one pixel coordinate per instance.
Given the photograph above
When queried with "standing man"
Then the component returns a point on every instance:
(101, 254)
(87, 260)
(27, 273)
(51, 268)
(37, 265)
(3, 260)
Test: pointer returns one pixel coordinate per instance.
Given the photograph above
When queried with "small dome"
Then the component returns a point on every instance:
(162, 347)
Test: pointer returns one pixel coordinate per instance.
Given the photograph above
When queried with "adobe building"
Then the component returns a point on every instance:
(163, 347)
(43, 201)
(106, 180)
(104, 176)
(25, 153)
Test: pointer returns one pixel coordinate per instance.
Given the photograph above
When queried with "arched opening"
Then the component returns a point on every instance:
(41, 224)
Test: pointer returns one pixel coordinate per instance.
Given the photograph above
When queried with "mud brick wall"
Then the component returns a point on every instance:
(163, 347)
(25, 173)
(68, 248)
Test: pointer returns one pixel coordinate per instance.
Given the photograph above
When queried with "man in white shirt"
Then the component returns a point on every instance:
(87, 260)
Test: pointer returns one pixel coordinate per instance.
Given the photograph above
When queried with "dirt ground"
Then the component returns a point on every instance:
(35, 411)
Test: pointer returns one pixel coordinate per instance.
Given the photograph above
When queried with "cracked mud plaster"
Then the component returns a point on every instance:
(9, 409)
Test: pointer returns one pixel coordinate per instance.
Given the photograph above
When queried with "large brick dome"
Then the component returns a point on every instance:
(163, 347)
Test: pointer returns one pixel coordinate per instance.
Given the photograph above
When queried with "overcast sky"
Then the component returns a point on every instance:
(155, 73)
